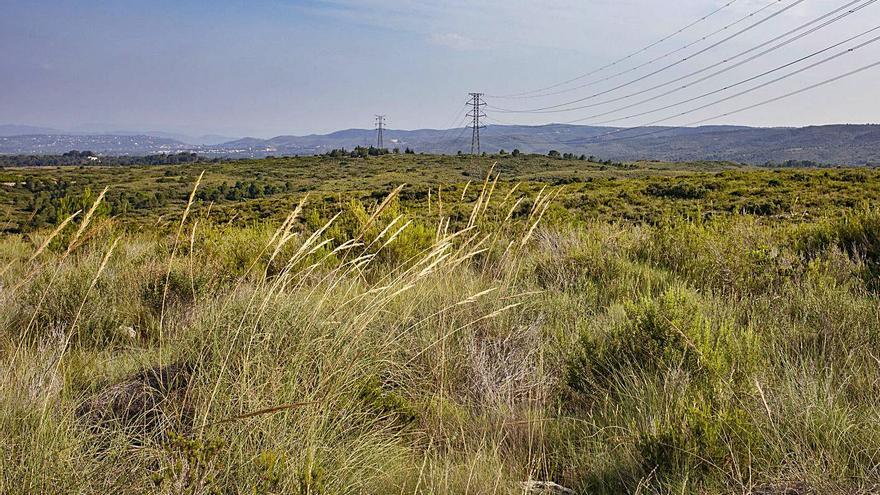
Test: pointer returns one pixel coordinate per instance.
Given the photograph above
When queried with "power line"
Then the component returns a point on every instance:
(732, 112)
(461, 127)
(673, 64)
(476, 113)
(458, 124)
(747, 80)
(460, 137)
(638, 52)
(670, 53)
(525, 138)
(790, 94)
(456, 121)
(498, 121)
(704, 69)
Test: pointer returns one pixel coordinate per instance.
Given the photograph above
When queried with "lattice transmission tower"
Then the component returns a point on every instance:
(476, 114)
(380, 128)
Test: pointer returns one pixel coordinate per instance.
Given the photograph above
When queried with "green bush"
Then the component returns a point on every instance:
(857, 234)
(676, 191)
(660, 334)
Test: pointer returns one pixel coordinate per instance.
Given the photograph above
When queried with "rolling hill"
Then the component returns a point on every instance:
(835, 144)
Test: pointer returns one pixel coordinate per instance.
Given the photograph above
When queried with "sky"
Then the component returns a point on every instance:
(279, 67)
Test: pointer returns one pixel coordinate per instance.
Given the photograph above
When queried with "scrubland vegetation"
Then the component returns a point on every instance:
(649, 328)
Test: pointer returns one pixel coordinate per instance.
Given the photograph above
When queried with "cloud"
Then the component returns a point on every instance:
(505, 25)
(453, 40)
(582, 25)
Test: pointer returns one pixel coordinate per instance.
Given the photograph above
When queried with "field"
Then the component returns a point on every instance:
(425, 324)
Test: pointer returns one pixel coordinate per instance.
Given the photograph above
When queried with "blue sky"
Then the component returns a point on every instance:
(265, 68)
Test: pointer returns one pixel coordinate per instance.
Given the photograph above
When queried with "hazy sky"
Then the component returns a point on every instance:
(265, 68)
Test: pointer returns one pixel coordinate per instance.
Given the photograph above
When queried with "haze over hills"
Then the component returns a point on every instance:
(833, 144)
(23, 130)
(12, 130)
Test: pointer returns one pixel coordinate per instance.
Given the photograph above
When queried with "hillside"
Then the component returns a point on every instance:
(49, 144)
(834, 144)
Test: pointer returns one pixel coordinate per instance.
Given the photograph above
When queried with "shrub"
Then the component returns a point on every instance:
(676, 191)
(672, 331)
(857, 234)
(383, 401)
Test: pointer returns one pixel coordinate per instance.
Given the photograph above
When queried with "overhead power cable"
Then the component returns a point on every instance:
(460, 135)
(456, 121)
(750, 90)
(750, 79)
(849, 12)
(673, 64)
(524, 138)
(726, 114)
(624, 59)
(457, 131)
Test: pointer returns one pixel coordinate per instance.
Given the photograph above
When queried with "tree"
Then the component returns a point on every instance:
(515, 152)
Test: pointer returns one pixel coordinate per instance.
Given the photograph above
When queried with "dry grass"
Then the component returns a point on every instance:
(385, 352)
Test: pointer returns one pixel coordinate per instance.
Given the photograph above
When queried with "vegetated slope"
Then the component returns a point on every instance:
(494, 341)
(841, 144)
(835, 144)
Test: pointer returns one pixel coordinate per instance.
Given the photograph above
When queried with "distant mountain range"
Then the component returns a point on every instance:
(834, 144)
(12, 130)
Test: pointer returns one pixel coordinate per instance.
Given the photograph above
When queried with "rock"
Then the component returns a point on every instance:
(128, 331)
(546, 487)
(792, 488)
(147, 402)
